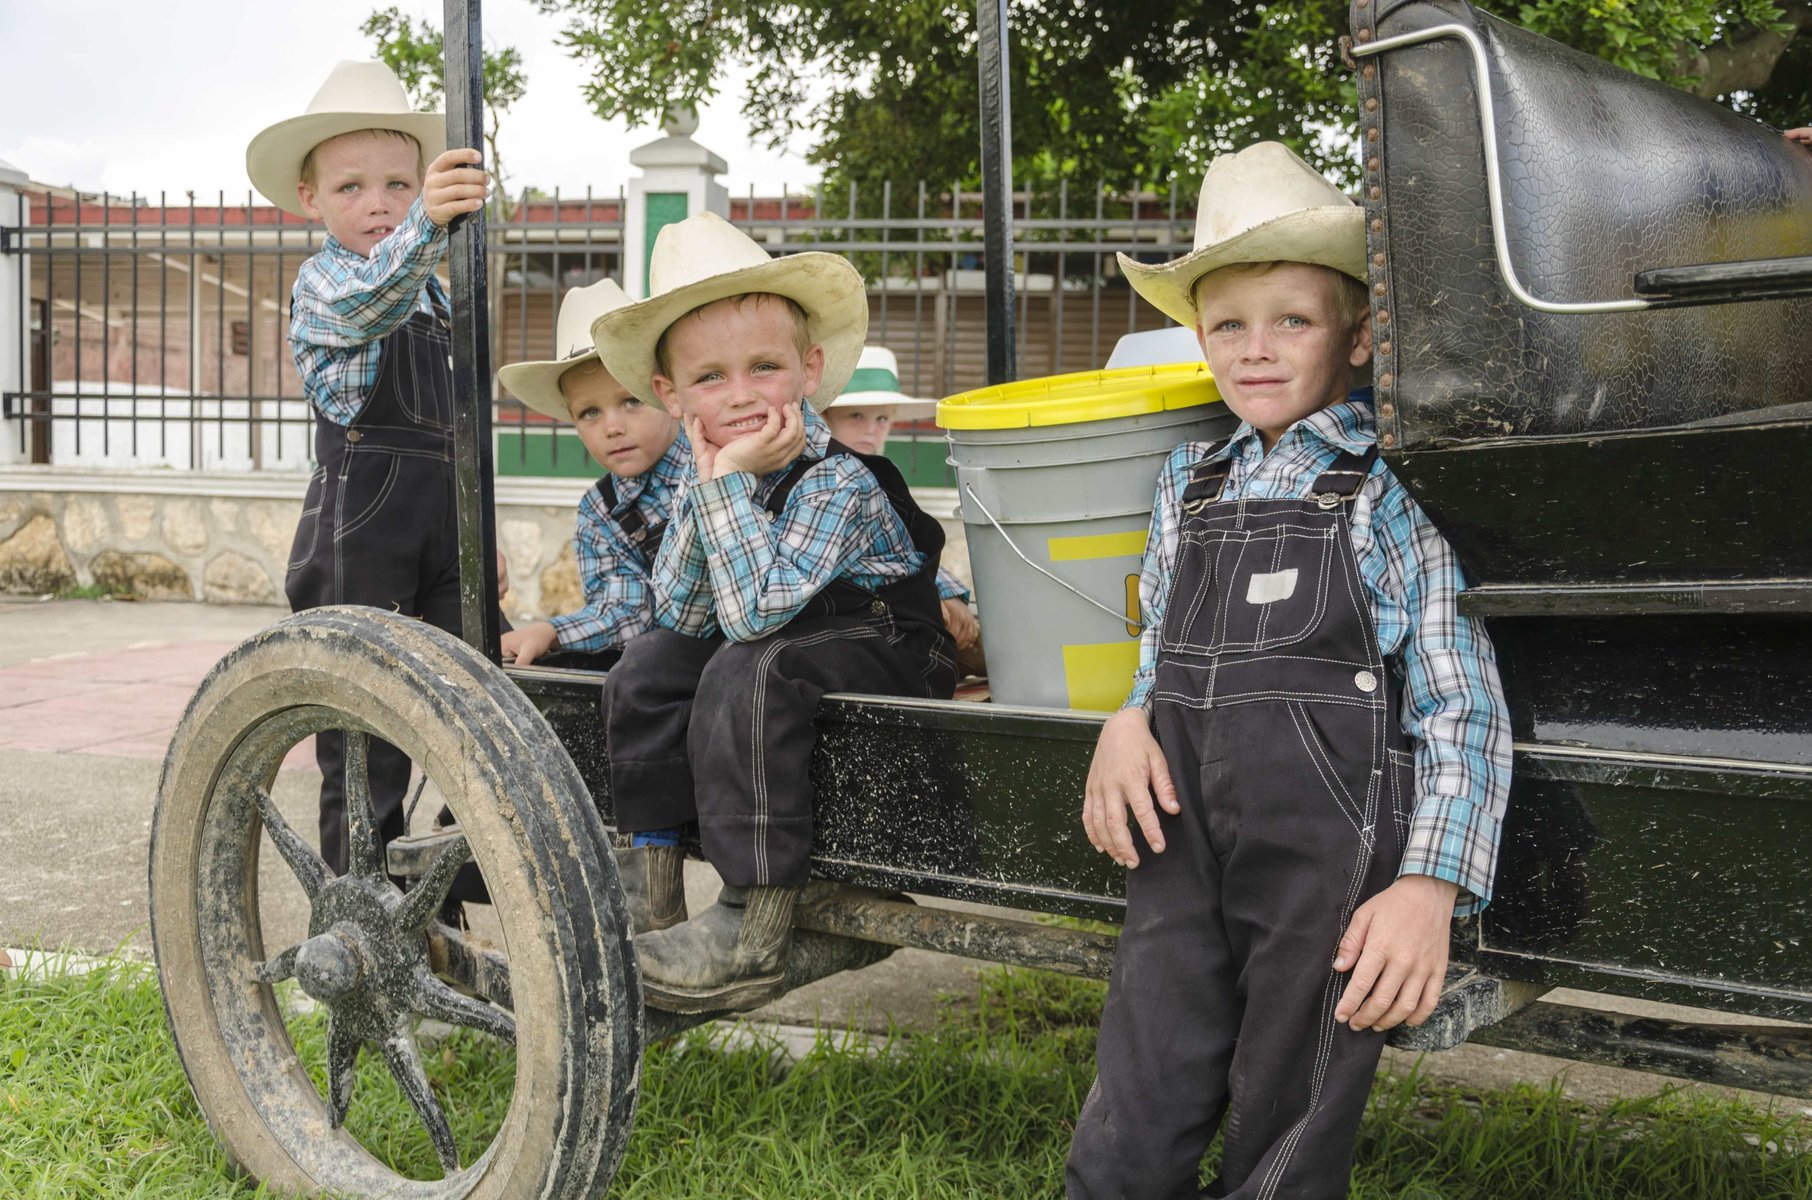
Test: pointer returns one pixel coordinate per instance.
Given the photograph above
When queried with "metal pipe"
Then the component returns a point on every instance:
(997, 186)
(474, 483)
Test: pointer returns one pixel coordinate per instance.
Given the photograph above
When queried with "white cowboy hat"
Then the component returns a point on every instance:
(1262, 204)
(703, 259)
(357, 95)
(537, 384)
(877, 382)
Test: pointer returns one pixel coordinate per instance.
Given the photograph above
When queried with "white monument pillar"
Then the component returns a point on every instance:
(679, 178)
(15, 332)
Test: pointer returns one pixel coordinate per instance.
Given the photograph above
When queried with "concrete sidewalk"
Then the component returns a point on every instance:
(91, 690)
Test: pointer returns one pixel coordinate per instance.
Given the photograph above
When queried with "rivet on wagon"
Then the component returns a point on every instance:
(1387, 410)
(1385, 380)
(1384, 316)
(1377, 260)
(1388, 440)
(1377, 224)
(1371, 164)
(1371, 105)
(1378, 288)
(1384, 347)
(1365, 35)
(1365, 3)
(1371, 133)
(1377, 192)
(1370, 72)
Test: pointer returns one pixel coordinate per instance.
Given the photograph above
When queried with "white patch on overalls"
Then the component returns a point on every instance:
(1267, 589)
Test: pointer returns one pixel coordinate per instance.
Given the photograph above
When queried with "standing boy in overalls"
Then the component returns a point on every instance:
(1323, 734)
(792, 567)
(369, 328)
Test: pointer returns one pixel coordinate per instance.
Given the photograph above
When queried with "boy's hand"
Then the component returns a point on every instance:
(778, 442)
(1127, 771)
(961, 623)
(530, 642)
(452, 188)
(1802, 135)
(1396, 948)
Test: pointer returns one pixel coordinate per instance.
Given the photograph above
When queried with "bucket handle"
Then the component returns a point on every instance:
(1066, 585)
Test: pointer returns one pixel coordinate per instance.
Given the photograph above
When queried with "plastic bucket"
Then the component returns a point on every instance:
(1054, 482)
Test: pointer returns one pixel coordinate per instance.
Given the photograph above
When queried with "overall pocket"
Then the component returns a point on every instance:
(366, 483)
(1255, 591)
(308, 527)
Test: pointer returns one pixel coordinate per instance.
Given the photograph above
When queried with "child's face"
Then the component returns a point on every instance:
(863, 429)
(364, 185)
(1281, 340)
(732, 362)
(625, 435)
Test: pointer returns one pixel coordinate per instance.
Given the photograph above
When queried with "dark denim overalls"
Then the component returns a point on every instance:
(1278, 720)
(378, 527)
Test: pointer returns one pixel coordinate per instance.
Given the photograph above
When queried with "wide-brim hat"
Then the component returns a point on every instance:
(703, 259)
(357, 95)
(1261, 204)
(537, 384)
(876, 382)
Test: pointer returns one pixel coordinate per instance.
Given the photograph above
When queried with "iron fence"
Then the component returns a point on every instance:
(157, 331)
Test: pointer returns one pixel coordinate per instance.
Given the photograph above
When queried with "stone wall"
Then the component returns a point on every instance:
(226, 538)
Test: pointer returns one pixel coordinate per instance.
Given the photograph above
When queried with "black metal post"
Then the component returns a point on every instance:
(997, 186)
(474, 483)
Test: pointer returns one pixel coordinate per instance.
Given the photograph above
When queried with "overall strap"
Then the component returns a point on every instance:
(645, 537)
(1343, 478)
(1208, 478)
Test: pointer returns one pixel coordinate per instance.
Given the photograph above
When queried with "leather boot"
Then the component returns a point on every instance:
(654, 883)
(730, 957)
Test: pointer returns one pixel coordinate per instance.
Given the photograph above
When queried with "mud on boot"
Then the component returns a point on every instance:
(654, 884)
(730, 957)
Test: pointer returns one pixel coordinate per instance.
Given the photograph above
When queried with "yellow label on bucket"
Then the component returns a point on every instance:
(1099, 676)
(1098, 545)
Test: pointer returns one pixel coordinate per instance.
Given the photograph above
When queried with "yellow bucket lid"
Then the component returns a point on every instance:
(1082, 396)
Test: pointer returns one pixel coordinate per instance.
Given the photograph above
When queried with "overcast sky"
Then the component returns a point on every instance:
(126, 95)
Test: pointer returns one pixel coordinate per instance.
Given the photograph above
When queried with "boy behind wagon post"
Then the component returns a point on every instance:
(622, 521)
(792, 567)
(370, 334)
(1324, 735)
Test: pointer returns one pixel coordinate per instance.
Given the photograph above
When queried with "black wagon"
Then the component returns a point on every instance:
(1592, 307)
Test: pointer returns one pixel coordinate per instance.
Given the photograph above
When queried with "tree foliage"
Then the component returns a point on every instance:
(416, 52)
(1109, 90)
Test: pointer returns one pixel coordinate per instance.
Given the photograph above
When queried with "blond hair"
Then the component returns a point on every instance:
(802, 334)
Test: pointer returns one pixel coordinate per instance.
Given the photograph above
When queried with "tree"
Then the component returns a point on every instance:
(1105, 89)
(416, 52)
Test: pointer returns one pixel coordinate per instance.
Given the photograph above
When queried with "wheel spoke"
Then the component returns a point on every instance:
(309, 869)
(342, 1058)
(364, 856)
(425, 898)
(406, 1065)
(279, 968)
(433, 998)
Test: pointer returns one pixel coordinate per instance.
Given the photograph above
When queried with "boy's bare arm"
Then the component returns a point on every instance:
(1127, 772)
(1396, 948)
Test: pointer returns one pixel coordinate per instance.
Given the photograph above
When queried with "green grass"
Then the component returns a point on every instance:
(96, 591)
(93, 1104)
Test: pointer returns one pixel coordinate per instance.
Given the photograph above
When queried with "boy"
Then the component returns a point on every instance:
(622, 522)
(793, 566)
(860, 419)
(1323, 733)
(369, 331)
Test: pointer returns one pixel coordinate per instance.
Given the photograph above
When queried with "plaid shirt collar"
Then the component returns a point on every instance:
(817, 441)
(1348, 425)
(666, 472)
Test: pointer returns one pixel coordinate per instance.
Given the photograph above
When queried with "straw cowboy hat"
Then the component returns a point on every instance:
(537, 384)
(357, 95)
(703, 259)
(1262, 204)
(877, 382)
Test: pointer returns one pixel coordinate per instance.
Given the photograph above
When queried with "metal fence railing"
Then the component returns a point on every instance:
(157, 331)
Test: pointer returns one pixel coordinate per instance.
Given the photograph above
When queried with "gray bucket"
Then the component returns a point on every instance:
(1056, 505)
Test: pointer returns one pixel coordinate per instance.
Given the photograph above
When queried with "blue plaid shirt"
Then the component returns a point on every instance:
(949, 587)
(726, 568)
(344, 305)
(1453, 704)
(618, 601)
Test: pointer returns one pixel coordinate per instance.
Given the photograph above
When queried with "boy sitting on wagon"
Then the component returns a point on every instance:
(793, 566)
(1316, 748)
(621, 523)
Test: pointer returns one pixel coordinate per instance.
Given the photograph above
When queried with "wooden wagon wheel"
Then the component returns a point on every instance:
(533, 830)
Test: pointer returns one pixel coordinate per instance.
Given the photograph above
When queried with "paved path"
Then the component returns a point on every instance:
(90, 692)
